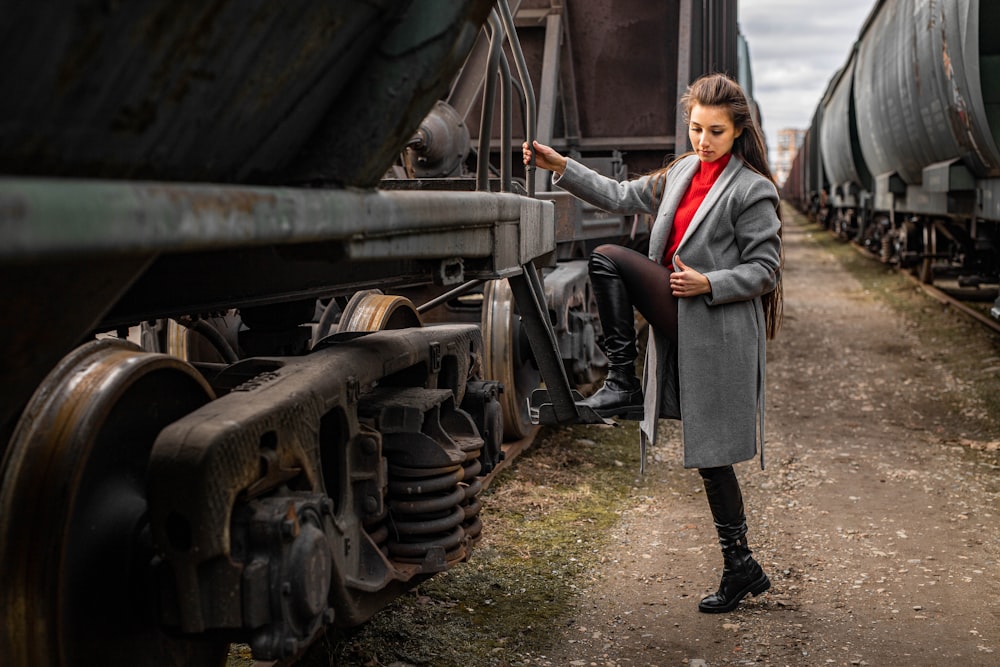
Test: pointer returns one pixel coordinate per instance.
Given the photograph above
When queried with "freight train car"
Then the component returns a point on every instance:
(903, 153)
(276, 292)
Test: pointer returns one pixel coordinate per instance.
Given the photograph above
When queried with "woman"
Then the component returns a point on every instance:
(709, 312)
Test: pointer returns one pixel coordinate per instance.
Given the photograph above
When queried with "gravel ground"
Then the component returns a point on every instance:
(876, 516)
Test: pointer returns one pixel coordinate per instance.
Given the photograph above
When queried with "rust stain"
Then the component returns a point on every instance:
(217, 202)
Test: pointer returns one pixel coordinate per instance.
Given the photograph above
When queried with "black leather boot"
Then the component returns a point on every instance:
(621, 395)
(622, 392)
(741, 574)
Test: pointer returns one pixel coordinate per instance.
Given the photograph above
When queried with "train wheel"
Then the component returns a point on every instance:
(75, 545)
(585, 372)
(374, 311)
(173, 338)
(507, 357)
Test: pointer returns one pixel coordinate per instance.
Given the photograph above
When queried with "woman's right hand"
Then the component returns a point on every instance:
(545, 157)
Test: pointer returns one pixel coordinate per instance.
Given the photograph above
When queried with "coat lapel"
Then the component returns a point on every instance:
(677, 185)
(711, 199)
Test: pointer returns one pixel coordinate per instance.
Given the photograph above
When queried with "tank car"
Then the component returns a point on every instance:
(277, 292)
(909, 139)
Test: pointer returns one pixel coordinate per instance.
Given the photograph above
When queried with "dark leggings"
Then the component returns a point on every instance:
(726, 502)
(722, 475)
(648, 286)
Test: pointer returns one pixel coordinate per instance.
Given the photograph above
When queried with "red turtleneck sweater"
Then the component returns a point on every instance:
(704, 179)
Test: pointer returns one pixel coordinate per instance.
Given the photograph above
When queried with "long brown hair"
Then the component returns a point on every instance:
(718, 90)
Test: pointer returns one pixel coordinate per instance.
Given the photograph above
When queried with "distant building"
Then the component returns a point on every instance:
(789, 140)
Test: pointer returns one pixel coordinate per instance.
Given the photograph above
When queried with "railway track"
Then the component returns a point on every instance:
(944, 296)
(963, 307)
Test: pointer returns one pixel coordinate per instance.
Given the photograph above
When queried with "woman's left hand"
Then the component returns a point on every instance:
(688, 282)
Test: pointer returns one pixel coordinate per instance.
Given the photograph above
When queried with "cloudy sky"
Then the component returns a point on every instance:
(796, 46)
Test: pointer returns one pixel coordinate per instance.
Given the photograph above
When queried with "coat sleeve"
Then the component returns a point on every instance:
(756, 229)
(624, 197)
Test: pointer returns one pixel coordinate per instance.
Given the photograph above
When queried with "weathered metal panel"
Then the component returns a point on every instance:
(947, 176)
(842, 158)
(55, 218)
(627, 62)
(223, 91)
(918, 91)
(625, 67)
(989, 203)
(814, 179)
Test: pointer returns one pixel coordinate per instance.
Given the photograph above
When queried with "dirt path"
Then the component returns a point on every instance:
(877, 518)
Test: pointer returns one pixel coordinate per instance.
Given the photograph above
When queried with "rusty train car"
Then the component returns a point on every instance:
(277, 291)
(903, 152)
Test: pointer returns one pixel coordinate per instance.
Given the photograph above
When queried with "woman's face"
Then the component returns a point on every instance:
(712, 132)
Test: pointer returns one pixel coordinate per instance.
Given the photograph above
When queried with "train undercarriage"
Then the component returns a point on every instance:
(956, 251)
(267, 477)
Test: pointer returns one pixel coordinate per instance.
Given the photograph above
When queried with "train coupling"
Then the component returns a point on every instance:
(542, 410)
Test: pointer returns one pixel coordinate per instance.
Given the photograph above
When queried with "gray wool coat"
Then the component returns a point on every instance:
(713, 379)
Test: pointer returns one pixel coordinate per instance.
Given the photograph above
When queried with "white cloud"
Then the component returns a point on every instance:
(796, 46)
